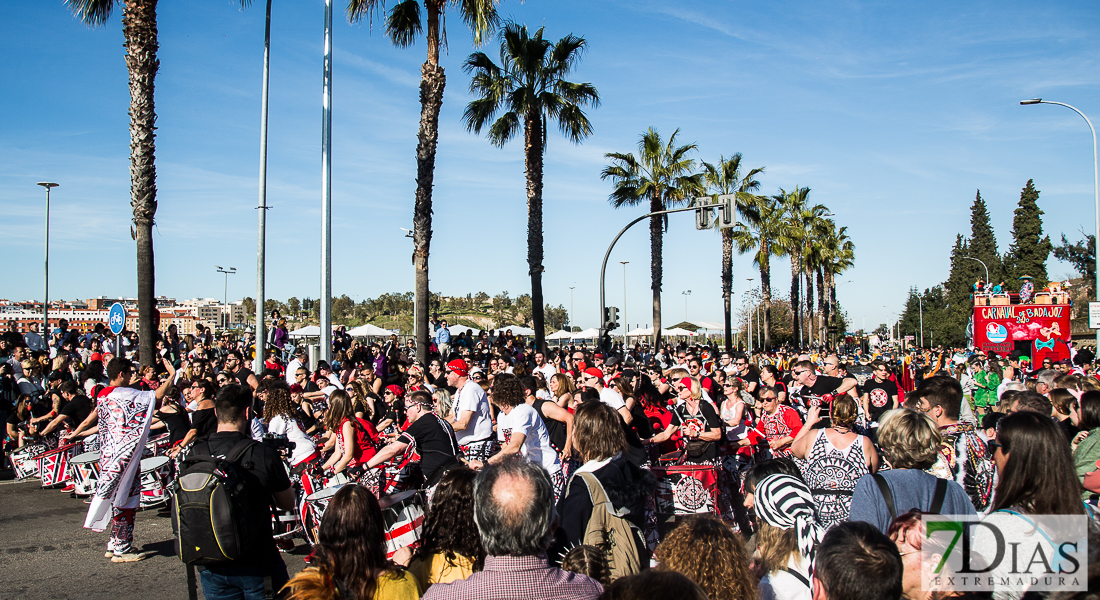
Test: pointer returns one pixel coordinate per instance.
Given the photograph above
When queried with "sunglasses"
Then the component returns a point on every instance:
(797, 373)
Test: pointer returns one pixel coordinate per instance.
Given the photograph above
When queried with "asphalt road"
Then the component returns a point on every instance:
(45, 553)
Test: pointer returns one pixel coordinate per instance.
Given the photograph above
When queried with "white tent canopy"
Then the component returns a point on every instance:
(560, 335)
(368, 330)
(587, 334)
(648, 331)
(457, 329)
(518, 330)
(307, 331)
(676, 331)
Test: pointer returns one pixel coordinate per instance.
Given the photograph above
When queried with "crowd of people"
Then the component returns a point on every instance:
(545, 473)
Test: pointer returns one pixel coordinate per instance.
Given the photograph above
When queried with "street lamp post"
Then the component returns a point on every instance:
(225, 292)
(571, 307)
(46, 286)
(982, 263)
(921, 305)
(261, 260)
(686, 293)
(1096, 188)
(625, 325)
(326, 192)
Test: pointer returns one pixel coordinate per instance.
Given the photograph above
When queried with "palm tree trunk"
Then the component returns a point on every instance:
(533, 150)
(139, 28)
(809, 323)
(432, 83)
(727, 285)
(656, 241)
(766, 292)
(821, 307)
(796, 305)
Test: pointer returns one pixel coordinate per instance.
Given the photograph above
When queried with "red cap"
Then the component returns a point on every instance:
(95, 356)
(396, 389)
(598, 355)
(460, 367)
(593, 371)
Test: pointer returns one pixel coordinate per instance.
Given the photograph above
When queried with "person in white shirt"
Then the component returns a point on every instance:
(520, 430)
(471, 418)
(300, 360)
(593, 378)
(544, 367)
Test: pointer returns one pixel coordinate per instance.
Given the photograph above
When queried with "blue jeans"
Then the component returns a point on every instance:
(242, 583)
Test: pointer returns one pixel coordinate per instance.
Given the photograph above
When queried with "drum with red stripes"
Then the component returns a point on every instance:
(318, 502)
(154, 481)
(53, 465)
(84, 470)
(403, 515)
(158, 445)
(23, 460)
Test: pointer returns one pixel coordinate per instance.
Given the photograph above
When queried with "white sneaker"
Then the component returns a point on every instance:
(131, 556)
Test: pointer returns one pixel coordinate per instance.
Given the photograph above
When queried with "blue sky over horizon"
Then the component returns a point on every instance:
(892, 115)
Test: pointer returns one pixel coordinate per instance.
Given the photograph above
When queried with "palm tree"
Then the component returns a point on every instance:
(763, 232)
(839, 256)
(139, 30)
(723, 179)
(403, 25)
(804, 225)
(530, 86)
(663, 175)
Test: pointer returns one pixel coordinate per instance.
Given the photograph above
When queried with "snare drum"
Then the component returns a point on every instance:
(318, 502)
(84, 471)
(154, 481)
(158, 444)
(53, 465)
(23, 460)
(403, 516)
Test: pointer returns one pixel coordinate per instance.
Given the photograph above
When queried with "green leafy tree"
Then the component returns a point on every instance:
(983, 242)
(139, 31)
(834, 255)
(663, 175)
(404, 24)
(1082, 255)
(293, 307)
(529, 88)
(1030, 248)
(726, 178)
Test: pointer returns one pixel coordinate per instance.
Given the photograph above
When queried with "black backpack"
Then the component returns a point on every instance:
(210, 515)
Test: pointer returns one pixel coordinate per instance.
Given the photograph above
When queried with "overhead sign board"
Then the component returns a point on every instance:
(1094, 315)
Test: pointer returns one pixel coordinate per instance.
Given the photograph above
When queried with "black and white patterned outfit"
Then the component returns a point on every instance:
(831, 474)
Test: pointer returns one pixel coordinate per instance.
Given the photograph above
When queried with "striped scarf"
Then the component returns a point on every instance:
(785, 502)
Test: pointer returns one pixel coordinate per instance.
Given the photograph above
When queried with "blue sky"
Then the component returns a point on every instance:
(892, 114)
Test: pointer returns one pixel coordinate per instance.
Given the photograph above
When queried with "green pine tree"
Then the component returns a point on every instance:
(957, 294)
(1030, 248)
(983, 242)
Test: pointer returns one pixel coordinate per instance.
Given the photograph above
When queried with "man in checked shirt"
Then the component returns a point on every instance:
(513, 507)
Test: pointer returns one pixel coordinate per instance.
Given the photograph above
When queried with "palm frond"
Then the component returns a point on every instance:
(358, 8)
(403, 23)
(504, 128)
(480, 16)
(93, 13)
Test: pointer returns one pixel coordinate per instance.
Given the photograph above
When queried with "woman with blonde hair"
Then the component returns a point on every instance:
(787, 535)
(910, 442)
(836, 458)
(561, 388)
(708, 552)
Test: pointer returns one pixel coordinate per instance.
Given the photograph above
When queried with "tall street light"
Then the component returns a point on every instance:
(261, 260)
(225, 291)
(920, 303)
(1096, 189)
(686, 293)
(326, 192)
(571, 307)
(46, 291)
(982, 263)
(624, 263)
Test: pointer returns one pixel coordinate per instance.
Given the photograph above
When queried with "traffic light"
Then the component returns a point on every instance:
(704, 212)
(726, 207)
(610, 318)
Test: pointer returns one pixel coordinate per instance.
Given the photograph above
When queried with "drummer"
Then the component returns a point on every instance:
(434, 440)
(76, 409)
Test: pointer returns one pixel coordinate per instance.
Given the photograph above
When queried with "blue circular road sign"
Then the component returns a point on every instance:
(117, 318)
